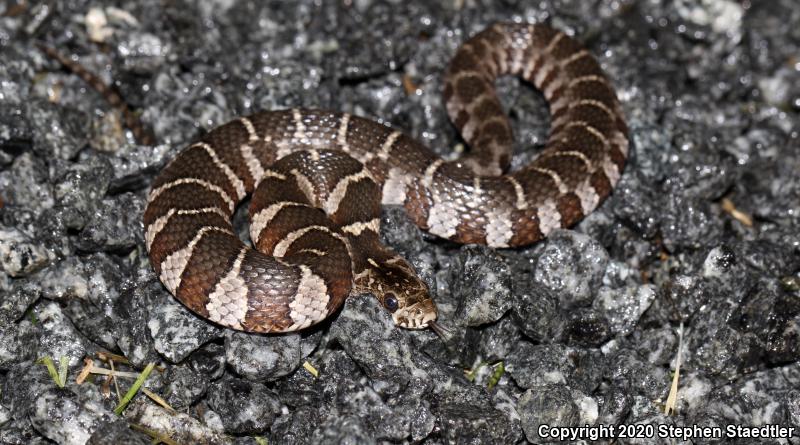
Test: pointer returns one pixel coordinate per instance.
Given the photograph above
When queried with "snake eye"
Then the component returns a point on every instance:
(390, 302)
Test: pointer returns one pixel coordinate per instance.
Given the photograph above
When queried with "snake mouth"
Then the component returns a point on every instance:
(438, 329)
(416, 316)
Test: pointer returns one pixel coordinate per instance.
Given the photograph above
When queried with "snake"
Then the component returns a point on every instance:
(318, 179)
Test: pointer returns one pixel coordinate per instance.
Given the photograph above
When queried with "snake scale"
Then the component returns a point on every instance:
(318, 180)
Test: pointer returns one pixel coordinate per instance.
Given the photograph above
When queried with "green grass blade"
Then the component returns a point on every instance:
(63, 366)
(496, 375)
(134, 389)
(51, 369)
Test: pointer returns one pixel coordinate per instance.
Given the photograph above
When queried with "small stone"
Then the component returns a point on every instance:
(541, 365)
(480, 425)
(21, 295)
(177, 332)
(23, 384)
(551, 405)
(114, 234)
(259, 358)
(66, 418)
(15, 132)
(18, 343)
(19, 255)
(117, 432)
(59, 338)
(625, 368)
(334, 431)
(499, 340)
(572, 265)
(59, 131)
(623, 300)
(244, 407)
(83, 186)
(209, 361)
(536, 311)
(482, 285)
(26, 183)
(180, 427)
(184, 386)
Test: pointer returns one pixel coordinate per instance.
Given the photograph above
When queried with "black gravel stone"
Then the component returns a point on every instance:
(243, 407)
(262, 357)
(185, 386)
(117, 432)
(547, 405)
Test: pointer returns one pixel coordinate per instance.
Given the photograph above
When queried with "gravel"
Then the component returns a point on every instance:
(697, 249)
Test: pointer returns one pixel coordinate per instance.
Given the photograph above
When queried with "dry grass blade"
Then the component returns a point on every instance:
(157, 398)
(672, 398)
(311, 369)
(729, 207)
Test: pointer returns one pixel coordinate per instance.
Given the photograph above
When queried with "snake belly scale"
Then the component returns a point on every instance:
(318, 179)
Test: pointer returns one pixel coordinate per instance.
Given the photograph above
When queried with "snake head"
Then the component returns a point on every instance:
(400, 291)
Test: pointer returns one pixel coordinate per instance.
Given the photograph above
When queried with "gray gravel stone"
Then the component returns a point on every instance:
(67, 418)
(18, 343)
(340, 390)
(542, 365)
(177, 332)
(58, 336)
(117, 432)
(135, 340)
(23, 384)
(262, 357)
(384, 353)
(5, 415)
(658, 346)
(622, 299)
(572, 265)
(536, 311)
(701, 230)
(17, 76)
(615, 405)
(59, 131)
(499, 340)
(180, 427)
(185, 386)
(244, 407)
(17, 299)
(19, 254)
(641, 377)
(113, 234)
(26, 183)
(20, 432)
(82, 186)
(482, 285)
(348, 430)
(547, 405)
(297, 426)
(208, 360)
(78, 278)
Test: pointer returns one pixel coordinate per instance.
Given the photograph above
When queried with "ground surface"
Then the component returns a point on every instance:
(580, 329)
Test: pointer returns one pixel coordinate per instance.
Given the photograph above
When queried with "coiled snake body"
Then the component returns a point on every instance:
(318, 179)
